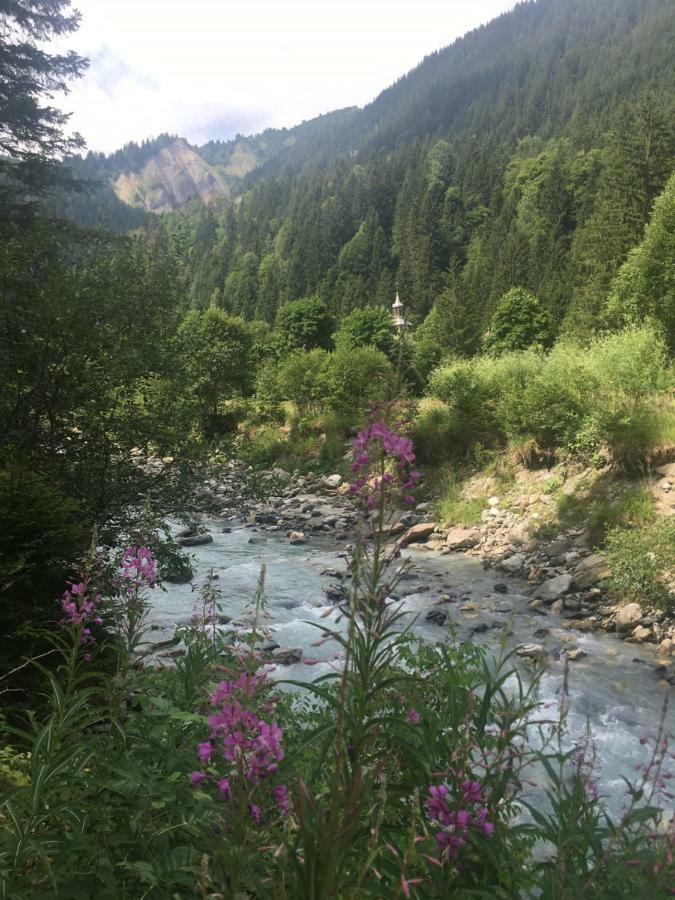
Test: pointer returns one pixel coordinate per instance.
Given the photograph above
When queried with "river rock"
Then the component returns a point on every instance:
(640, 633)
(436, 617)
(286, 657)
(332, 481)
(576, 654)
(530, 651)
(627, 617)
(556, 548)
(514, 563)
(666, 647)
(462, 538)
(196, 540)
(591, 570)
(297, 537)
(553, 588)
(418, 533)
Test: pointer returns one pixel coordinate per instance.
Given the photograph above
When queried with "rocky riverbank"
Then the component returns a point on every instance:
(562, 572)
(565, 574)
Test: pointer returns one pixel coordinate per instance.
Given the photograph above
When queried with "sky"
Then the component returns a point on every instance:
(208, 69)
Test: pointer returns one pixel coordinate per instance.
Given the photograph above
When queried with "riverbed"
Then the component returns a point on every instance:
(614, 685)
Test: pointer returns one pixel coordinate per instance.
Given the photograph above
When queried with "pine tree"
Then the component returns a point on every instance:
(31, 130)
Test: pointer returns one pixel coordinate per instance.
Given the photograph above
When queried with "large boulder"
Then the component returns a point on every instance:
(462, 538)
(195, 540)
(418, 533)
(332, 481)
(514, 563)
(553, 588)
(590, 571)
(628, 616)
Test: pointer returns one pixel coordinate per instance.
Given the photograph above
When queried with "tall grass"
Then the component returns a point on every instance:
(613, 395)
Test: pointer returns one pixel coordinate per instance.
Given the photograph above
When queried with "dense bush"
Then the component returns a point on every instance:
(518, 322)
(641, 560)
(613, 393)
(346, 381)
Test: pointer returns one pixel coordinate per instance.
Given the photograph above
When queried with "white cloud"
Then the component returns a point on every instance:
(210, 68)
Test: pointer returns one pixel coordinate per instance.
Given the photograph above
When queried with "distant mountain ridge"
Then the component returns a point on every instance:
(162, 174)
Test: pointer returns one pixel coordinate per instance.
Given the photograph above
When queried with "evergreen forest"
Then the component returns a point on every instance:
(167, 342)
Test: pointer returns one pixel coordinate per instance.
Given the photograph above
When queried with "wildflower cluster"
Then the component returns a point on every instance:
(139, 568)
(79, 607)
(250, 745)
(383, 462)
(457, 816)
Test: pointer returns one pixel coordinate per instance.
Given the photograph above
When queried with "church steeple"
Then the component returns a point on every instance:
(398, 314)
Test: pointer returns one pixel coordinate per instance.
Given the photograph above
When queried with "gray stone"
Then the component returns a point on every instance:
(286, 657)
(297, 537)
(462, 538)
(627, 617)
(591, 570)
(530, 651)
(436, 617)
(640, 633)
(556, 548)
(332, 481)
(553, 588)
(514, 563)
(418, 533)
(197, 540)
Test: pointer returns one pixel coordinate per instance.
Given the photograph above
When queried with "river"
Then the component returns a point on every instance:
(614, 686)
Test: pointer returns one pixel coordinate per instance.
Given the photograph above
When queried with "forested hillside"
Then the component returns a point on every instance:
(528, 153)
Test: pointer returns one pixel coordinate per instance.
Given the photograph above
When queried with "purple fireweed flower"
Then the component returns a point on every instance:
(79, 607)
(139, 567)
(458, 813)
(382, 461)
(196, 777)
(249, 746)
(413, 716)
(283, 800)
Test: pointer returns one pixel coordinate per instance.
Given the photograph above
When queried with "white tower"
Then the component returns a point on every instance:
(398, 314)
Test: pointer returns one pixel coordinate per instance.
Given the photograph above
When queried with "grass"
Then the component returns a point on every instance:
(451, 507)
(601, 505)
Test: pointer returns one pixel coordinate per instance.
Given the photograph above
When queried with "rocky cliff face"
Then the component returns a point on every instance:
(176, 174)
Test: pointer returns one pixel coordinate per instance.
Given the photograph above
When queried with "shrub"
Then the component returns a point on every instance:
(641, 560)
(576, 398)
(300, 378)
(629, 409)
(434, 430)
(370, 326)
(518, 322)
(356, 378)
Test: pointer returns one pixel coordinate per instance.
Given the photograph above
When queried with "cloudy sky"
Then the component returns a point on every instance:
(211, 68)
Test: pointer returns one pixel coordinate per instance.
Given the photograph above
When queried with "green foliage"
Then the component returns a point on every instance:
(33, 130)
(645, 284)
(602, 503)
(356, 378)
(518, 322)
(451, 506)
(613, 393)
(101, 798)
(370, 326)
(298, 378)
(304, 325)
(215, 349)
(641, 560)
